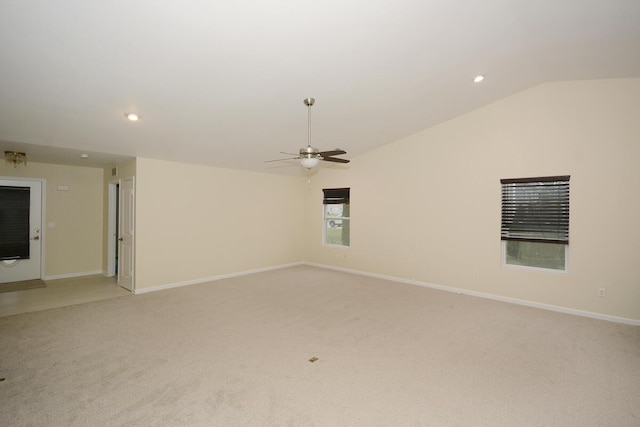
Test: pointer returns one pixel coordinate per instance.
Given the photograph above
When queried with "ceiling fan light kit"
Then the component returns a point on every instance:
(310, 156)
(15, 158)
(309, 162)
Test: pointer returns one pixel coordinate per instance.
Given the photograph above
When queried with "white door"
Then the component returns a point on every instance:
(127, 211)
(20, 209)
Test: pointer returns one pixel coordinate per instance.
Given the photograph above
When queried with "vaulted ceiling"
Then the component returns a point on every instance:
(222, 82)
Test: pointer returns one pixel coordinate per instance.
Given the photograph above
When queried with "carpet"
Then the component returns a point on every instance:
(304, 346)
(22, 285)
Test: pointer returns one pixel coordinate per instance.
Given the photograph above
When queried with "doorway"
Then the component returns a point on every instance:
(112, 228)
(120, 234)
(21, 206)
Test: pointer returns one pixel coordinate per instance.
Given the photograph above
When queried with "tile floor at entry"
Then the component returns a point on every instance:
(59, 293)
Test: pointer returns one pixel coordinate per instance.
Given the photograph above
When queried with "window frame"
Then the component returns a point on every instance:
(335, 196)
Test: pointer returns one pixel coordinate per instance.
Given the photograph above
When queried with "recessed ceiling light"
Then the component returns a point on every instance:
(478, 78)
(132, 116)
(84, 156)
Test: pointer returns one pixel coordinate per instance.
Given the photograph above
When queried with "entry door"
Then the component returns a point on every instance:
(20, 229)
(126, 239)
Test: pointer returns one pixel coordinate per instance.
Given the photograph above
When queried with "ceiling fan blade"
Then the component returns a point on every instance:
(291, 154)
(335, 152)
(279, 160)
(335, 159)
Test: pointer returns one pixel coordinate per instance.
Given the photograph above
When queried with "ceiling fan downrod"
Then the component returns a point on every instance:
(309, 103)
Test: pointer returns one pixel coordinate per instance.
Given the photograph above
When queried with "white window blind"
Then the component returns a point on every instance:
(536, 209)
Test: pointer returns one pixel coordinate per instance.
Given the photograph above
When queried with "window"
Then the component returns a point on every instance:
(535, 222)
(336, 216)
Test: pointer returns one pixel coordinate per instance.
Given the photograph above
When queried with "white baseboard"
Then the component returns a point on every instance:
(212, 278)
(69, 275)
(527, 303)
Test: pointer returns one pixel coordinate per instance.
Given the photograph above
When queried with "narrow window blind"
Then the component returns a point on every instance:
(14, 222)
(335, 196)
(536, 209)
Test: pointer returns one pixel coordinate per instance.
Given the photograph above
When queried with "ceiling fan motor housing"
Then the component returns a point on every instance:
(309, 152)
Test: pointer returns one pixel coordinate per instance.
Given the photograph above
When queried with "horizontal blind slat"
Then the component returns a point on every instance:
(535, 209)
(334, 196)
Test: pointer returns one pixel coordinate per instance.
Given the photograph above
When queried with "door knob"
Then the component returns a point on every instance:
(121, 239)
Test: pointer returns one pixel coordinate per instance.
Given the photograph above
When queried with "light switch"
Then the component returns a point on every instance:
(51, 225)
(63, 188)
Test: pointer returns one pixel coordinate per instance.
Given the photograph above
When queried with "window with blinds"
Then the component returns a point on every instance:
(535, 221)
(336, 203)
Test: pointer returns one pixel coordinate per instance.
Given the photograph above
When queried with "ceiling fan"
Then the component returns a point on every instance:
(310, 156)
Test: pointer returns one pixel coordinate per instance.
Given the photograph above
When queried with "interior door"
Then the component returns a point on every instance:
(126, 239)
(20, 230)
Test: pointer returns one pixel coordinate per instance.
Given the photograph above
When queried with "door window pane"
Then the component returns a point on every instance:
(14, 222)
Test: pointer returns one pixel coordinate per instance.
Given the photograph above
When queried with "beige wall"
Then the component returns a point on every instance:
(74, 246)
(427, 207)
(194, 222)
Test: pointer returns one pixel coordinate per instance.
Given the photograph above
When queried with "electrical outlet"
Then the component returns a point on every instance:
(602, 292)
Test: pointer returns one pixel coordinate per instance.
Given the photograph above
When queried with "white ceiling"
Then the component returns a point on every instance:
(222, 82)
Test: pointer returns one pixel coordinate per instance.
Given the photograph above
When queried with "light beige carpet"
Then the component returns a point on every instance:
(22, 285)
(236, 353)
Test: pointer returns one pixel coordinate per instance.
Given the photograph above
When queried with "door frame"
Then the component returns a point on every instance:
(43, 210)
